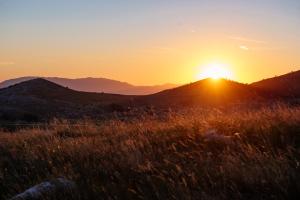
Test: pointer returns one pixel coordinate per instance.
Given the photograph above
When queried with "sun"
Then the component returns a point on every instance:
(215, 71)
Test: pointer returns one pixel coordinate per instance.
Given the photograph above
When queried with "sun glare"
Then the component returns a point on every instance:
(215, 71)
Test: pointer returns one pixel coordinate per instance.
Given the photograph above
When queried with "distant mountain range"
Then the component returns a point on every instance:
(40, 99)
(96, 85)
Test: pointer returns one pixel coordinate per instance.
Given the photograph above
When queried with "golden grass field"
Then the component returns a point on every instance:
(194, 154)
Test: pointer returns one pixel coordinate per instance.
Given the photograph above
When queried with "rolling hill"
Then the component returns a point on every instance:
(96, 85)
(285, 86)
(207, 92)
(43, 99)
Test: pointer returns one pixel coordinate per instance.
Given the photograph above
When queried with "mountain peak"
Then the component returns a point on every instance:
(36, 85)
(40, 88)
(38, 81)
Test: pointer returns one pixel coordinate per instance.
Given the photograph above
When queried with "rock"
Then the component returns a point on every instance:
(49, 190)
(214, 136)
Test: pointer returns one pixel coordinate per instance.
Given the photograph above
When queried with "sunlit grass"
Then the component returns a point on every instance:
(174, 157)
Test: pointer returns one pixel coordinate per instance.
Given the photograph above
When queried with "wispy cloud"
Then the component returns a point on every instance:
(5, 63)
(244, 47)
(161, 49)
(164, 48)
(243, 39)
(267, 48)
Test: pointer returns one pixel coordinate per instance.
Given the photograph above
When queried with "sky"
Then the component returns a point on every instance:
(147, 42)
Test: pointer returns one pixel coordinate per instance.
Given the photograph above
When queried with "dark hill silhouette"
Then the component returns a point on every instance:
(206, 92)
(96, 85)
(285, 86)
(45, 99)
(14, 81)
(43, 89)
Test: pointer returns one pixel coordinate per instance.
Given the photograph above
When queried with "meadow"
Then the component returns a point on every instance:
(193, 154)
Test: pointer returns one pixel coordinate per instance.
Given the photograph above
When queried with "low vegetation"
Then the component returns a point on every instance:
(193, 154)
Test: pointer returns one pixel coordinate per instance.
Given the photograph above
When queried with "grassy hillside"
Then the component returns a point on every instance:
(206, 92)
(194, 154)
(40, 99)
(285, 86)
(49, 91)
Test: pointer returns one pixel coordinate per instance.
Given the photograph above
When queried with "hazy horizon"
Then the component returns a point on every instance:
(160, 84)
(149, 42)
(78, 78)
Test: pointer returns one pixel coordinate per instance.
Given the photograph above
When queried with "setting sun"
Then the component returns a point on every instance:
(215, 71)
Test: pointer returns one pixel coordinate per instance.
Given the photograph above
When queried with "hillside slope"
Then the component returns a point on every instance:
(207, 92)
(43, 99)
(96, 85)
(285, 86)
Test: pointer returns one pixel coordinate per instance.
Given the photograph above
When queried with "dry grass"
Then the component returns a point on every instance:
(169, 158)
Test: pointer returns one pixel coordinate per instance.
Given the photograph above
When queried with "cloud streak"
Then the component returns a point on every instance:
(5, 63)
(243, 39)
(243, 47)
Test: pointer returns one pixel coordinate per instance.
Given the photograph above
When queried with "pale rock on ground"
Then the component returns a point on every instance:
(48, 190)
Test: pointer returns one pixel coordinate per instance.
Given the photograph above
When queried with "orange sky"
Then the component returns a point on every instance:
(149, 43)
